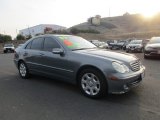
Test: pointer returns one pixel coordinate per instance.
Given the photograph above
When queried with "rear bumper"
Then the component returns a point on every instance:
(125, 82)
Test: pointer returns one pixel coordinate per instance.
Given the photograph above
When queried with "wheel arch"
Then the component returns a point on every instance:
(90, 67)
(19, 61)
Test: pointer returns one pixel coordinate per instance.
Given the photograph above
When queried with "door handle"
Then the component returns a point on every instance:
(25, 54)
(41, 54)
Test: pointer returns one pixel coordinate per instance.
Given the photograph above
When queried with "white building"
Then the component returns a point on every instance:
(40, 29)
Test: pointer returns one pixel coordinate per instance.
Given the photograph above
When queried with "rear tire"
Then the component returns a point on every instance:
(92, 83)
(4, 51)
(23, 70)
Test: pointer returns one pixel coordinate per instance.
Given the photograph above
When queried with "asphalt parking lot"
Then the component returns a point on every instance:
(41, 98)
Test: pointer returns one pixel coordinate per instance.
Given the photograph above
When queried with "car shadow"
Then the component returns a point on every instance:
(54, 82)
(114, 98)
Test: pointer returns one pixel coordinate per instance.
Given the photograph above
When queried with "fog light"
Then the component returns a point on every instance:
(125, 87)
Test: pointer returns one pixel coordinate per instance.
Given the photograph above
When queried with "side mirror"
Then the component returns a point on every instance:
(58, 51)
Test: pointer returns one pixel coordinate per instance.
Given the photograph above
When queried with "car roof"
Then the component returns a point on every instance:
(53, 35)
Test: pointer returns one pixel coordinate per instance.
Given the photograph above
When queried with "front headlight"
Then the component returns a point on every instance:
(121, 68)
(127, 46)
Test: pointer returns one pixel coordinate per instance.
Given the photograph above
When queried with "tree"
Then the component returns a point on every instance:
(74, 30)
(20, 37)
(1, 38)
(5, 38)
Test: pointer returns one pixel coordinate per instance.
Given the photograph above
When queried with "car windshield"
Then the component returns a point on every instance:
(76, 43)
(152, 41)
(8, 45)
(136, 42)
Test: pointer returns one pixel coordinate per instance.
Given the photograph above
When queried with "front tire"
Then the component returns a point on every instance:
(4, 51)
(92, 83)
(23, 70)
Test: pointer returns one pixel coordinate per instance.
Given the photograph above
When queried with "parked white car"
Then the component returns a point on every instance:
(8, 48)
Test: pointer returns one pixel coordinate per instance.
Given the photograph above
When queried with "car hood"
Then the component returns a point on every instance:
(157, 45)
(134, 45)
(106, 54)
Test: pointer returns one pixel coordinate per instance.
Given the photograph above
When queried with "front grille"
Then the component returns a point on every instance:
(135, 66)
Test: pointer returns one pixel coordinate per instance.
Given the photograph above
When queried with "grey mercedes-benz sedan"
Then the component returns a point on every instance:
(76, 60)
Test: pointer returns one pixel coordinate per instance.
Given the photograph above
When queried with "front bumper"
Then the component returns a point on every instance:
(135, 49)
(152, 53)
(125, 82)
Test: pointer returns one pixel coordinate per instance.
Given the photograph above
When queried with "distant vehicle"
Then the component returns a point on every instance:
(8, 48)
(120, 44)
(103, 45)
(99, 44)
(125, 44)
(113, 44)
(152, 49)
(96, 42)
(76, 60)
(135, 46)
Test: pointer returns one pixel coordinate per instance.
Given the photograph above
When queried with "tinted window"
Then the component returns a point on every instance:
(28, 45)
(50, 43)
(37, 44)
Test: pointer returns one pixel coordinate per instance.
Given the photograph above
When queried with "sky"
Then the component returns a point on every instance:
(19, 14)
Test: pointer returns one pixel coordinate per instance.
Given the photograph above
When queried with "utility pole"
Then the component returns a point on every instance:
(29, 30)
(16, 31)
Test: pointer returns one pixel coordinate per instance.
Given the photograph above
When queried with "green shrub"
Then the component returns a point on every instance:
(20, 37)
(5, 38)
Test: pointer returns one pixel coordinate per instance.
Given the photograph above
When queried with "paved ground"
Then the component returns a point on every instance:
(44, 99)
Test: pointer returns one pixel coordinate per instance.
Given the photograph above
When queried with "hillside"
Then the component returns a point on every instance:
(126, 25)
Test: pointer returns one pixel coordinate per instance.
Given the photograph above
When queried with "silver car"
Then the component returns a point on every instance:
(75, 60)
